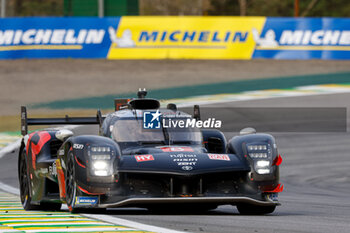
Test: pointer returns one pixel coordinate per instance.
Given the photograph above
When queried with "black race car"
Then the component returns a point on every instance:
(145, 164)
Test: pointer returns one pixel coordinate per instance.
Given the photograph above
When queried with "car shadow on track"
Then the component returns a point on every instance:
(168, 211)
(221, 211)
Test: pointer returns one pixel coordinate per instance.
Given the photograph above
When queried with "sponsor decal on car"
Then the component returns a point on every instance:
(143, 158)
(187, 168)
(272, 196)
(61, 152)
(186, 163)
(219, 157)
(78, 146)
(185, 159)
(86, 200)
(44, 171)
(53, 169)
(176, 149)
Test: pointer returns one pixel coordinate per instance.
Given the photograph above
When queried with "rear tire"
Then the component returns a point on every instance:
(24, 183)
(249, 209)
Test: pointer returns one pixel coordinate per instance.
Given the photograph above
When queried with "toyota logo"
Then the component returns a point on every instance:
(187, 168)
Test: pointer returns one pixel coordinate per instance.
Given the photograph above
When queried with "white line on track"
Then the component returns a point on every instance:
(104, 218)
(9, 148)
(124, 222)
(9, 189)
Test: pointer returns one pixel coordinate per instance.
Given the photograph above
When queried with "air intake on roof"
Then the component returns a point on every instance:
(144, 104)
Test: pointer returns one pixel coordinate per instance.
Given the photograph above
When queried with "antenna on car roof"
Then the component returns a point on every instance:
(196, 112)
(141, 93)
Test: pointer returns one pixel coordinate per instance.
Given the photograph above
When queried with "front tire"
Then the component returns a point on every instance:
(71, 185)
(249, 209)
(24, 183)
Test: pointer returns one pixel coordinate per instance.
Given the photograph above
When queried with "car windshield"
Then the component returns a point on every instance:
(131, 130)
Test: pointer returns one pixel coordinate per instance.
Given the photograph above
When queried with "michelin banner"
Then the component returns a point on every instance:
(185, 37)
(303, 38)
(39, 37)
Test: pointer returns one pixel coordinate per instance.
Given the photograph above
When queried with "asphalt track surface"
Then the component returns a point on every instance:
(315, 172)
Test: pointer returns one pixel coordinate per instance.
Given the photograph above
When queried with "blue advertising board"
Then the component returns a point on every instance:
(44, 37)
(122, 37)
(304, 38)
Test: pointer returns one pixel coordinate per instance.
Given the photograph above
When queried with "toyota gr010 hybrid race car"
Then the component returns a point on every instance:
(128, 165)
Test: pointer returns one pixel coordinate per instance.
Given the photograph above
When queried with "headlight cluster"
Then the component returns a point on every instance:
(100, 160)
(260, 155)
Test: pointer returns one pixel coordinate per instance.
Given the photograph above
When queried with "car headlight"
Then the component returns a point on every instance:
(258, 155)
(261, 155)
(100, 160)
(101, 157)
(100, 165)
(263, 171)
(262, 167)
(257, 147)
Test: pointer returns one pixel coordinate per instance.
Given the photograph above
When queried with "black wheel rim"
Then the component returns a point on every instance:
(70, 180)
(23, 178)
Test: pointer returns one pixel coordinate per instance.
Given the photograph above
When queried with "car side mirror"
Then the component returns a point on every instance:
(215, 145)
(63, 134)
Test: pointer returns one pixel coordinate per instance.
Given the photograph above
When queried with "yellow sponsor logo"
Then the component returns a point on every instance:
(184, 37)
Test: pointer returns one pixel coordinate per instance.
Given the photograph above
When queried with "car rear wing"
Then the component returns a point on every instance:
(25, 121)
